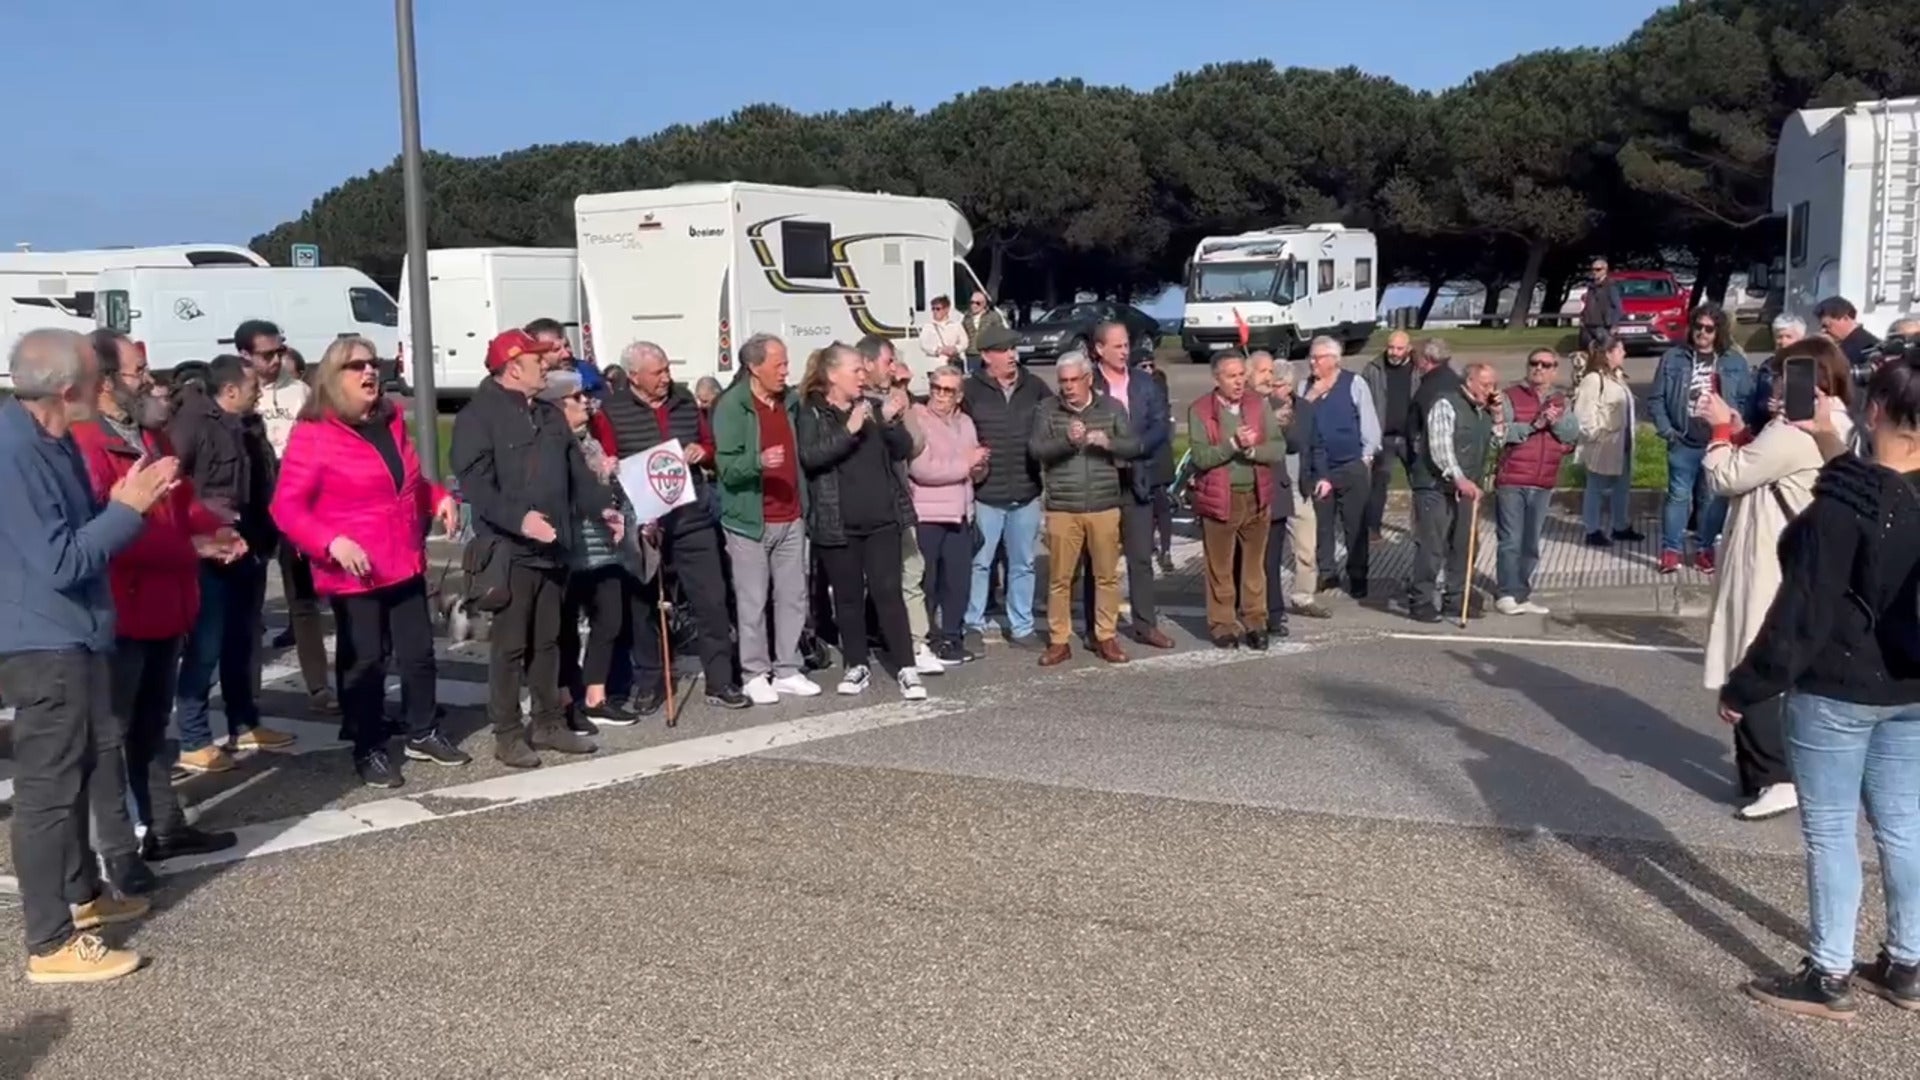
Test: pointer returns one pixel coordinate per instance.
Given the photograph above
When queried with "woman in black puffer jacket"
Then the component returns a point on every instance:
(1842, 640)
(848, 447)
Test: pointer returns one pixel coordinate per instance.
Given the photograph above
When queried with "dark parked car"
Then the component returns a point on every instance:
(1070, 326)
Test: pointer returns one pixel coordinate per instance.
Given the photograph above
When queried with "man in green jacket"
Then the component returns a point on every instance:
(1079, 439)
(763, 514)
(1228, 435)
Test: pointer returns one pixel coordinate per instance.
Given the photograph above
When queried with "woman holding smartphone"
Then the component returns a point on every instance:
(1767, 478)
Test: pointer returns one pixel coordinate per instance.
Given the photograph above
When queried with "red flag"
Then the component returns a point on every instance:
(1246, 332)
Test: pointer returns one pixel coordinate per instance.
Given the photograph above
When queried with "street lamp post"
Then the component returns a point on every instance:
(426, 413)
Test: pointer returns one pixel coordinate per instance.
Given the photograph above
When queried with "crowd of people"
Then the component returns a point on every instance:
(840, 509)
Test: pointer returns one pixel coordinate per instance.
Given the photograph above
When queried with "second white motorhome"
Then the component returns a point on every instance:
(476, 293)
(1288, 284)
(699, 268)
(1847, 181)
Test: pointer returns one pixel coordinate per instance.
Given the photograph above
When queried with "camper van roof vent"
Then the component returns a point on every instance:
(1327, 226)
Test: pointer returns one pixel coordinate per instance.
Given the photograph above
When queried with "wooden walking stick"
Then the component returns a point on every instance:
(666, 653)
(1473, 535)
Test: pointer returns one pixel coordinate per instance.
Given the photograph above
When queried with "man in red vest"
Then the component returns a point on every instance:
(1540, 432)
(1229, 434)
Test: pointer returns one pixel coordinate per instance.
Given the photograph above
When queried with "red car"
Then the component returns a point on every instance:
(1656, 310)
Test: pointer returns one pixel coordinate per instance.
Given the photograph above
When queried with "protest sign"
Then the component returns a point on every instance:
(657, 481)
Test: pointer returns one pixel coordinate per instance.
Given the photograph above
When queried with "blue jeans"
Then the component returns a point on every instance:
(1519, 515)
(1840, 752)
(1604, 492)
(1686, 489)
(225, 641)
(1019, 529)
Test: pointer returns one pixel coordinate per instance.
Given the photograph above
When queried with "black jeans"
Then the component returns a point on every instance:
(1441, 526)
(365, 625)
(524, 651)
(869, 566)
(1343, 513)
(1137, 548)
(947, 551)
(1276, 560)
(602, 595)
(693, 561)
(1760, 746)
(1392, 448)
(143, 674)
(1162, 520)
(63, 734)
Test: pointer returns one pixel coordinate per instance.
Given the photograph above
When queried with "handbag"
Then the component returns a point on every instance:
(486, 564)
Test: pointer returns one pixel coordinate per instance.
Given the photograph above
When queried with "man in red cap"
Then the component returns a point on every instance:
(528, 484)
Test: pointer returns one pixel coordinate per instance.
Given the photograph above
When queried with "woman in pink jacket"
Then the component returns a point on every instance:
(351, 499)
(942, 480)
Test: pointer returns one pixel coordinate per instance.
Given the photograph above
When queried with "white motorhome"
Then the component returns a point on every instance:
(54, 289)
(182, 317)
(1288, 284)
(699, 268)
(477, 292)
(1847, 181)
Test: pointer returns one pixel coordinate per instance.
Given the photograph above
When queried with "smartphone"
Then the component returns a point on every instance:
(1796, 393)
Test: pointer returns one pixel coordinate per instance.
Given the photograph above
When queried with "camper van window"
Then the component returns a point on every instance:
(218, 258)
(1797, 232)
(806, 249)
(1326, 276)
(119, 317)
(1224, 282)
(1363, 273)
(919, 285)
(373, 306)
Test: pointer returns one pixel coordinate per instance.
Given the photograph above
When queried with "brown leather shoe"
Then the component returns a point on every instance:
(1055, 654)
(1109, 650)
(1153, 637)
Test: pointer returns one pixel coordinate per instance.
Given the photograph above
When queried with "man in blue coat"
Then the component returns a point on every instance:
(1134, 390)
(56, 632)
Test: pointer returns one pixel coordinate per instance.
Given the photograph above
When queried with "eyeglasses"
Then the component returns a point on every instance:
(938, 389)
(1543, 365)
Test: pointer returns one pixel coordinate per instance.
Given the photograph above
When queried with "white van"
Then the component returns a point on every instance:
(476, 293)
(187, 316)
(699, 268)
(1288, 284)
(41, 290)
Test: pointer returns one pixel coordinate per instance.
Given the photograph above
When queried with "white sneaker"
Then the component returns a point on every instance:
(796, 685)
(1507, 605)
(761, 691)
(910, 686)
(926, 663)
(856, 680)
(1774, 800)
(1532, 608)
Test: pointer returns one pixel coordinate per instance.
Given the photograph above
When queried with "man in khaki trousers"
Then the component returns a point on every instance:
(1229, 435)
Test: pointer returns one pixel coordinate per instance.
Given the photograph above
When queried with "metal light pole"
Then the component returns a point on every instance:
(426, 412)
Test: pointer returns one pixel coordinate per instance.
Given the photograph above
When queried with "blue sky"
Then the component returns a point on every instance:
(162, 121)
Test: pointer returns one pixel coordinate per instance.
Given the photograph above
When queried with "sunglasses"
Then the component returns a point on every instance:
(356, 365)
(1542, 365)
(1704, 328)
(946, 389)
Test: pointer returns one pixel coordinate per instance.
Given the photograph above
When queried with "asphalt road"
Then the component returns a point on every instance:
(1368, 856)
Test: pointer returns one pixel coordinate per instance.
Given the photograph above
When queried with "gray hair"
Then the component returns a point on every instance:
(1221, 358)
(1906, 326)
(945, 371)
(706, 382)
(1073, 360)
(1325, 342)
(562, 383)
(1436, 350)
(1467, 373)
(753, 351)
(1283, 372)
(47, 363)
(1794, 323)
(639, 351)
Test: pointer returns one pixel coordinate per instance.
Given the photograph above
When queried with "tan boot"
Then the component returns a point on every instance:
(83, 959)
(207, 759)
(263, 738)
(109, 910)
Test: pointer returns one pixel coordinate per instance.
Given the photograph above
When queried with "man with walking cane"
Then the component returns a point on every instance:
(1455, 428)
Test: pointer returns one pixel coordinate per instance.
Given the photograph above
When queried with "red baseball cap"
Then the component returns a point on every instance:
(510, 345)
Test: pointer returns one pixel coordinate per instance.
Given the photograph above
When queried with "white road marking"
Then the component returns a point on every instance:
(516, 789)
(1549, 643)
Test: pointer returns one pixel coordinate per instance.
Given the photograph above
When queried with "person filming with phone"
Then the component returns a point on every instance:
(1767, 477)
(1842, 641)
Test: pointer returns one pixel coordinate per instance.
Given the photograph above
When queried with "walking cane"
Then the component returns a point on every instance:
(1473, 535)
(666, 655)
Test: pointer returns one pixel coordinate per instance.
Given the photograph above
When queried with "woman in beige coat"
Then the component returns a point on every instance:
(1767, 479)
(1603, 405)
